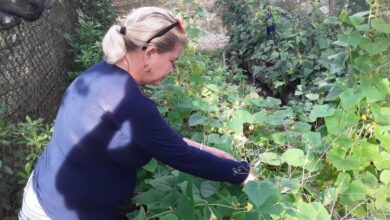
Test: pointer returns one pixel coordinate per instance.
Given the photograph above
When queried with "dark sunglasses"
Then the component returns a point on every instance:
(164, 31)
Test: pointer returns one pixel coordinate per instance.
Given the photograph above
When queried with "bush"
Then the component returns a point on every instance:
(21, 144)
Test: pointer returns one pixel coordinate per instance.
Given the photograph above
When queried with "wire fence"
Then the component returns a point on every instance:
(33, 63)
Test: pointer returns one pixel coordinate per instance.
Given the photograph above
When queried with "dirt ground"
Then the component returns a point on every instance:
(214, 35)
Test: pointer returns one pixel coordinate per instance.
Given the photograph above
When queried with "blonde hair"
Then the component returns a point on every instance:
(141, 24)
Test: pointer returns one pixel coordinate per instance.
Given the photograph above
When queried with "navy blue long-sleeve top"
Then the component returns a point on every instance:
(105, 130)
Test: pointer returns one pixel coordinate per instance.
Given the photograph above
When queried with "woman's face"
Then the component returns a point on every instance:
(161, 65)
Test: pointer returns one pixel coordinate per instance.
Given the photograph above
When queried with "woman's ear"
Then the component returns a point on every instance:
(149, 52)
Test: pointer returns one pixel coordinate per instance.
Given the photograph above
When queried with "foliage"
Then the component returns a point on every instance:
(100, 11)
(297, 54)
(21, 144)
(85, 44)
(206, 106)
(323, 155)
(190, 11)
(359, 129)
(308, 170)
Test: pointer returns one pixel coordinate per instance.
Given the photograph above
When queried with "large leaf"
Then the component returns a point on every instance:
(352, 39)
(151, 165)
(164, 183)
(196, 119)
(385, 177)
(380, 25)
(268, 102)
(358, 18)
(294, 157)
(244, 116)
(342, 162)
(169, 217)
(186, 207)
(320, 111)
(236, 125)
(170, 199)
(209, 188)
(374, 47)
(148, 198)
(310, 211)
(375, 88)
(355, 193)
(270, 158)
(259, 192)
(350, 99)
(383, 161)
(340, 121)
(381, 114)
(382, 133)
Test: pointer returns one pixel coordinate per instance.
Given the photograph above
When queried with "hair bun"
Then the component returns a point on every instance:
(122, 30)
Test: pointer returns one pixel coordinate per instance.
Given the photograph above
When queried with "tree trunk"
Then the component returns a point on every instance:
(332, 7)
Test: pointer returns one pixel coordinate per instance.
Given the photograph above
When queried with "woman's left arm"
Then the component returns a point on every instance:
(212, 150)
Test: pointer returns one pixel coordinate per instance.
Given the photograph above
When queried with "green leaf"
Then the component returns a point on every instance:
(186, 207)
(312, 96)
(270, 158)
(213, 87)
(342, 182)
(374, 47)
(342, 162)
(310, 211)
(197, 67)
(355, 193)
(170, 199)
(149, 197)
(358, 18)
(141, 214)
(202, 12)
(383, 199)
(151, 166)
(236, 125)
(320, 111)
(381, 114)
(268, 102)
(209, 188)
(164, 183)
(370, 180)
(244, 116)
(382, 133)
(261, 191)
(169, 217)
(329, 196)
(331, 21)
(380, 25)
(294, 157)
(312, 139)
(340, 121)
(254, 215)
(353, 39)
(196, 119)
(385, 176)
(383, 161)
(375, 88)
(350, 99)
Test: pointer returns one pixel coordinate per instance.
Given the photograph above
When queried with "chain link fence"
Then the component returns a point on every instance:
(33, 63)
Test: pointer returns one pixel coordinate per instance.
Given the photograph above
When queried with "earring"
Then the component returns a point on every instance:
(147, 68)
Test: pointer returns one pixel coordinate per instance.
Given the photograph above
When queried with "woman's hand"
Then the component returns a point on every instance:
(251, 177)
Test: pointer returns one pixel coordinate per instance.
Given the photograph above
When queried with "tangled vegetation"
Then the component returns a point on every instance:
(321, 150)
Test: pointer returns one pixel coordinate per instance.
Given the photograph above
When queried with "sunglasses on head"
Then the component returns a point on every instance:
(164, 31)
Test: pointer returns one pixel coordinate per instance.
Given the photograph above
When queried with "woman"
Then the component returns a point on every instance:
(106, 128)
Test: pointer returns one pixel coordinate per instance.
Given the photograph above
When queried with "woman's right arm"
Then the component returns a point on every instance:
(154, 136)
